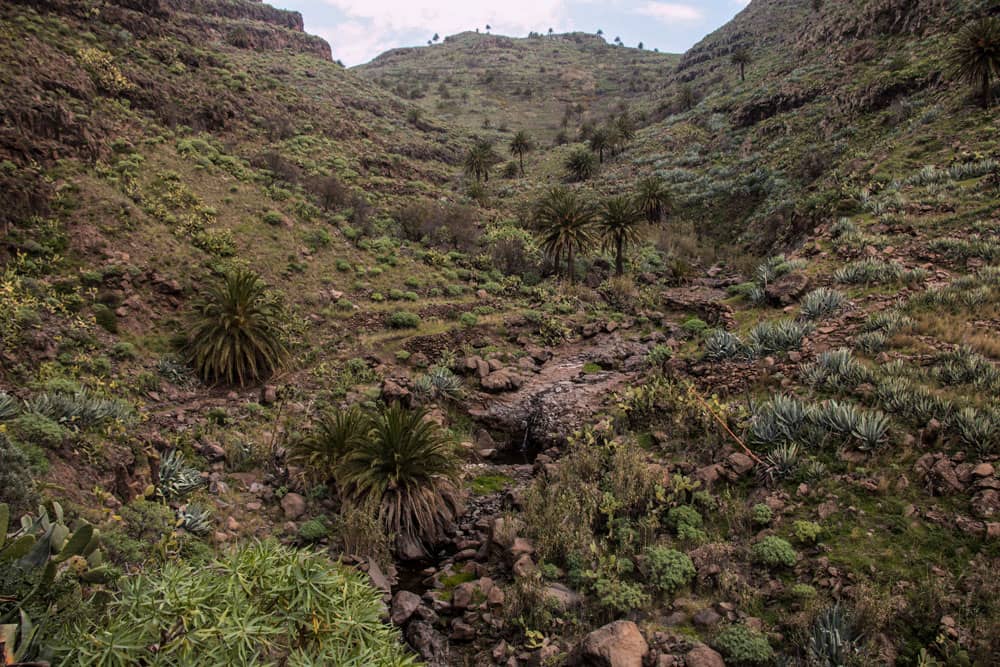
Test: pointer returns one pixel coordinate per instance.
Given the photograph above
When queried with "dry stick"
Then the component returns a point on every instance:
(722, 422)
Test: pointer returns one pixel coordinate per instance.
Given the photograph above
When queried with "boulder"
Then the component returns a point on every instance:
(293, 505)
(404, 603)
(393, 392)
(430, 644)
(703, 656)
(618, 644)
(787, 289)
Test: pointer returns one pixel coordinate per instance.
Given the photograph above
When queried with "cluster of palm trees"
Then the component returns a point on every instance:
(569, 224)
(481, 156)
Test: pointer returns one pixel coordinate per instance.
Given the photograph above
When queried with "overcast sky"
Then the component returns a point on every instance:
(359, 30)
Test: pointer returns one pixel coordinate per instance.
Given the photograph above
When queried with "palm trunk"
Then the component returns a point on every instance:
(558, 260)
(987, 96)
(619, 258)
(600, 155)
(521, 157)
(743, 76)
(571, 268)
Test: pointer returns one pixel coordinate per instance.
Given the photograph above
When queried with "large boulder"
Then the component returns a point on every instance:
(404, 603)
(618, 644)
(293, 506)
(787, 289)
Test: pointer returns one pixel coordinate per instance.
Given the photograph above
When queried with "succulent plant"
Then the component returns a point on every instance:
(195, 519)
(838, 417)
(821, 302)
(8, 406)
(780, 336)
(833, 639)
(720, 344)
(977, 428)
(81, 409)
(177, 479)
(870, 430)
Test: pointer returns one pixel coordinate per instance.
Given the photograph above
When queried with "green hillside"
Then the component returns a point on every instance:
(506, 351)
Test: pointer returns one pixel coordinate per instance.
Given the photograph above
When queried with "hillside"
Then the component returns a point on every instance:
(477, 80)
(295, 369)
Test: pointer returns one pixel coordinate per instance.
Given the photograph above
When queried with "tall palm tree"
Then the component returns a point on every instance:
(741, 58)
(600, 139)
(520, 144)
(619, 224)
(236, 334)
(975, 55)
(653, 198)
(409, 468)
(565, 222)
(480, 158)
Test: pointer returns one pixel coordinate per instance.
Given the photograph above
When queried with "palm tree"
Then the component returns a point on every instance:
(565, 222)
(480, 158)
(619, 224)
(321, 451)
(600, 139)
(520, 144)
(581, 164)
(975, 55)
(236, 334)
(741, 58)
(409, 468)
(653, 198)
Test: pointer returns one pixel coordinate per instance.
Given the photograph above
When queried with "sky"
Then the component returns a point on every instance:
(359, 30)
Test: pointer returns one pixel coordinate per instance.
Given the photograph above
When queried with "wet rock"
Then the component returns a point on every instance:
(404, 604)
(618, 644)
(293, 505)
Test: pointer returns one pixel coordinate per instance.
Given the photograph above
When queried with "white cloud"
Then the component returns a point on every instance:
(670, 12)
(374, 24)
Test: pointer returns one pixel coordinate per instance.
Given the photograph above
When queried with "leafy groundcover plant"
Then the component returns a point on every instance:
(262, 604)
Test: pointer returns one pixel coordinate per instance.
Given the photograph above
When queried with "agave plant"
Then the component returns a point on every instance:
(833, 640)
(868, 272)
(978, 429)
(177, 478)
(720, 344)
(81, 409)
(872, 342)
(780, 463)
(838, 417)
(336, 434)
(821, 302)
(780, 336)
(870, 430)
(411, 468)
(236, 334)
(9, 407)
(195, 519)
(444, 383)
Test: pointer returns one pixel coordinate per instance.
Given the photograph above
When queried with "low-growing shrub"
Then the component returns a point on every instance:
(668, 569)
(742, 645)
(806, 532)
(403, 319)
(773, 552)
(37, 429)
(761, 514)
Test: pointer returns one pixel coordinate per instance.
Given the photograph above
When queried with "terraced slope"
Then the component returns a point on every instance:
(479, 80)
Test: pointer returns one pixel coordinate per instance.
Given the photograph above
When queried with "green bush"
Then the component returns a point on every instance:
(124, 350)
(743, 645)
(806, 532)
(773, 552)
(106, 318)
(17, 487)
(683, 515)
(404, 319)
(694, 325)
(468, 319)
(314, 530)
(37, 429)
(260, 604)
(273, 218)
(761, 514)
(668, 569)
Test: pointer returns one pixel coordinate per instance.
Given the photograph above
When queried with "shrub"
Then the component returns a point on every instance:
(468, 319)
(580, 164)
(124, 350)
(17, 486)
(261, 603)
(314, 530)
(684, 519)
(742, 645)
(37, 429)
(410, 468)
(273, 218)
(806, 532)
(658, 356)
(694, 325)
(668, 569)
(870, 430)
(195, 519)
(761, 514)
(236, 333)
(403, 319)
(773, 552)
